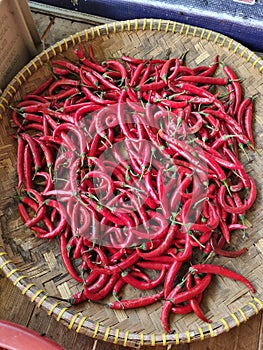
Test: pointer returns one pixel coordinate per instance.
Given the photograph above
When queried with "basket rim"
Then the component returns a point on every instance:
(60, 310)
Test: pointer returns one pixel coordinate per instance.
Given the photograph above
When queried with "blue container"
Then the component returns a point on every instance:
(241, 20)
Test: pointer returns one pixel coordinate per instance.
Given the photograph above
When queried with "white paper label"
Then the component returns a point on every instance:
(248, 2)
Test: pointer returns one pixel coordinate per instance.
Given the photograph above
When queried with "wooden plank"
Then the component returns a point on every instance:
(18, 308)
(69, 15)
(13, 305)
(56, 331)
(251, 332)
(260, 342)
(244, 337)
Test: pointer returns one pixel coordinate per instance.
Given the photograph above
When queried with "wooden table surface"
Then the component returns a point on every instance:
(18, 308)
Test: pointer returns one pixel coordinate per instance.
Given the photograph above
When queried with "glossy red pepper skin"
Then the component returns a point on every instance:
(236, 86)
(167, 307)
(34, 150)
(152, 86)
(65, 64)
(128, 278)
(80, 54)
(90, 95)
(170, 277)
(163, 246)
(222, 271)
(204, 79)
(60, 226)
(248, 124)
(19, 166)
(212, 69)
(193, 292)
(126, 304)
(241, 208)
(66, 260)
(230, 254)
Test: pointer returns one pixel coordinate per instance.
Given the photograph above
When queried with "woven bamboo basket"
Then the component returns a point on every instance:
(35, 266)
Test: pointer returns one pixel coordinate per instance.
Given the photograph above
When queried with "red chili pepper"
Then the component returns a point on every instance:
(128, 278)
(152, 86)
(47, 153)
(152, 265)
(188, 152)
(204, 79)
(121, 117)
(105, 82)
(118, 66)
(170, 276)
(242, 208)
(69, 129)
(215, 154)
(193, 292)
(65, 64)
(81, 112)
(88, 78)
(137, 73)
(96, 174)
(39, 208)
(165, 68)
(62, 83)
(126, 304)
(66, 260)
(121, 266)
(220, 114)
(43, 86)
(95, 98)
(133, 60)
(210, 161)
(233, 227)
(146, 74)
(211, 70)
(167, 306)
(236, 86)
(90, 295)
(91, 55)
(49, 182)
(162, 194)
(34, 150)
(248, 124)
(173, 104)
(80, 54)
(60, 71)
(116, 289)
(28, 110)
(241, 111)
(163, 246)
(223, 252)
(194, 302)
(200, 91)
(149, 186)
(222, 271)
(63, 94)
(239, 168)
(27, 159)
(61, 225)
(20, 163)
(187, 253)
(234, 217)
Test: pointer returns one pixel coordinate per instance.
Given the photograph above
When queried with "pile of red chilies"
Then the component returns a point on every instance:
(133, 164)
